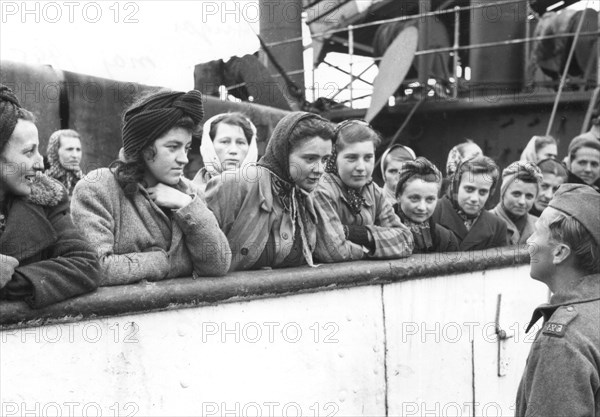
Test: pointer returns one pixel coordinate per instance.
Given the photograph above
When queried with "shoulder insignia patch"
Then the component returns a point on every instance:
(555, 329)
(557, 324)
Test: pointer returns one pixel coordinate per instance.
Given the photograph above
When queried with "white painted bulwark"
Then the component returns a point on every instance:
(363, 339)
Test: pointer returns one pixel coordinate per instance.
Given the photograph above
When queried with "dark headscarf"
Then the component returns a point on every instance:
(9, 114)
(276, 157)
(276, 160)
(156, 115)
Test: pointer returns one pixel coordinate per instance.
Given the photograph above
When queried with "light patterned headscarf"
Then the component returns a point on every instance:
(68, 177)
(212, 163)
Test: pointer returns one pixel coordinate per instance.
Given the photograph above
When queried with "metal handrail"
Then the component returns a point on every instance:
(397, 19)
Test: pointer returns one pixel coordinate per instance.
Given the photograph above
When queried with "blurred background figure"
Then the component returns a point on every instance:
(64, 158)
(391, 165)
(228, 143)
(553, 175)
(539, 148)
(584, 162)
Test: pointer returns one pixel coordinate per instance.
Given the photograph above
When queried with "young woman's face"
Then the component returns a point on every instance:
(548, 187)
(170, 159)
(548, 151)
(230, 145)
(473, 192)
(355, 163)
(307, 162)
(20, 160)
(418, 199)
(392, 173)
(586, 164)
(519, 197)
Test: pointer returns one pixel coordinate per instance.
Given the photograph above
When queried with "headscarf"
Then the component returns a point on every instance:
(68, 177)
(462, 168)
(552, 166)
(212, 164)
(456, 156)
(519, 170)
(276, 159)
(9, 114)
(582, 141)
(408, 155)
(529, 154)
(355, 199)
(154, 116)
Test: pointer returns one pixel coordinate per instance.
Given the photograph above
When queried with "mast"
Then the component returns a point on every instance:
(279, 20)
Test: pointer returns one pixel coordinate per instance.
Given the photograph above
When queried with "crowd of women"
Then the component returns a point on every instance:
(309, 199)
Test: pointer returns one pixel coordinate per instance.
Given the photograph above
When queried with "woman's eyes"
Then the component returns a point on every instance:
(469, 189)
(430, 199)
(483, 192)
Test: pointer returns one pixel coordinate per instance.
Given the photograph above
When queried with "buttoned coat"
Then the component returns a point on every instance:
(513, 236)
(136, 240)
(488, 231)
(562, 374)
(55, 261)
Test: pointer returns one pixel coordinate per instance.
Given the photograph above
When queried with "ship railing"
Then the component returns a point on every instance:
(454, 49)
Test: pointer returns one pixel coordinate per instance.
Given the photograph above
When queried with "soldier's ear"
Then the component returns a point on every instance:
(560, 253)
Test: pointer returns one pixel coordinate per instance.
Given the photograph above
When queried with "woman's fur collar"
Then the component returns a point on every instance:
(46, 191)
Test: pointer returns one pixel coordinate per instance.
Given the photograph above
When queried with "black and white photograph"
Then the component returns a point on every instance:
(292, 208)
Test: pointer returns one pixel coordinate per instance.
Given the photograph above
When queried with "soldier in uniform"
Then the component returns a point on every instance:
(562, 375)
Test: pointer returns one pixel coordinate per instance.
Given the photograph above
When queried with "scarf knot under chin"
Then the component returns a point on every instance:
(295, 201)
(421, 231)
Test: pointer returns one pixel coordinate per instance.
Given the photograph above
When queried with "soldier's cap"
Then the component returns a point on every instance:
(582, 203)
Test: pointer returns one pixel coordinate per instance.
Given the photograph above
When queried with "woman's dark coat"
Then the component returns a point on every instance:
(55, 262)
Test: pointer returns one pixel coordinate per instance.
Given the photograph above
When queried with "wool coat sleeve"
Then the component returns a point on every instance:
(93, 212)
(205, 241)
(70, 267)
(392, 238)
(332, 245)
(500, 237)
(557, 381)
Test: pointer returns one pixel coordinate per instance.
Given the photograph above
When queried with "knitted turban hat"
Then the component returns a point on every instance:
(520, 171)
(9, 114)
(154, 116)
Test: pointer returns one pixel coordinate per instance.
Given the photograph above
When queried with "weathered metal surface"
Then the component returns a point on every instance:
(94, 106)
(409, 347)
(176, 293)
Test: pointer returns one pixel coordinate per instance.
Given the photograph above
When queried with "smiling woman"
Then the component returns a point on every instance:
(145, 219)
(348, 192)
(43, 259)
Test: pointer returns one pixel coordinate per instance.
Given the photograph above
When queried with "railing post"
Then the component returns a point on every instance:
(456, 45)
(351, 53)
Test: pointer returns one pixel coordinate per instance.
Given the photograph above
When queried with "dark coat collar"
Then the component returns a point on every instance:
(587, 290)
